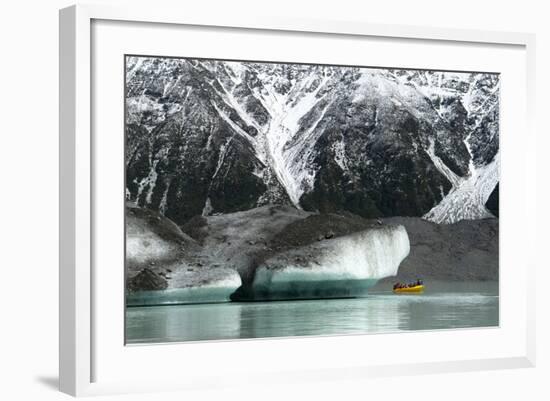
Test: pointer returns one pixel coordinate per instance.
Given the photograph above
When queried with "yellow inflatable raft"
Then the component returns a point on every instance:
(415, 289)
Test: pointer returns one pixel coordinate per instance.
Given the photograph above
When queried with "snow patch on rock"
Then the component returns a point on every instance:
(467, 198)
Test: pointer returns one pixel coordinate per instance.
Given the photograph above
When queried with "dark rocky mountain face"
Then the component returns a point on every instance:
(492, 202)
(207, 137)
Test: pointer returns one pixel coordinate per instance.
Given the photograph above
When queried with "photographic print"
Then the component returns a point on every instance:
(272, 199)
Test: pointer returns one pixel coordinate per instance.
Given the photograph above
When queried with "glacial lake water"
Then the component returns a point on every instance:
(441, 306)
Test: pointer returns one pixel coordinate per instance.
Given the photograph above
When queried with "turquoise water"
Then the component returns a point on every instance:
(442, 306)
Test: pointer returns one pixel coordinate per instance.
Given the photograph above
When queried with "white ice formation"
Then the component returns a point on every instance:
(341, 267)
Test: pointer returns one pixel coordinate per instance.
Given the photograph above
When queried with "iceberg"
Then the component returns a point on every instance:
(345, 266)
(210, 285)
(266, 253)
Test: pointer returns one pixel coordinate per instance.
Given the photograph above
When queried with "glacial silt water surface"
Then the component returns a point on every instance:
(442, 306)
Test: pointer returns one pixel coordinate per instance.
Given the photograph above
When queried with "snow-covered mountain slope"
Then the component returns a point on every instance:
(207, 137)
(469, 195)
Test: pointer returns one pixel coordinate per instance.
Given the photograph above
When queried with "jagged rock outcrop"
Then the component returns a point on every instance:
(147, 280)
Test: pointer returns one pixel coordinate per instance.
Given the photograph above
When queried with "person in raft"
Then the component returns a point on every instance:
(401, 285)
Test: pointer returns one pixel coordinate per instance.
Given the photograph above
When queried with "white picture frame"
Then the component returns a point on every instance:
(79, 339)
